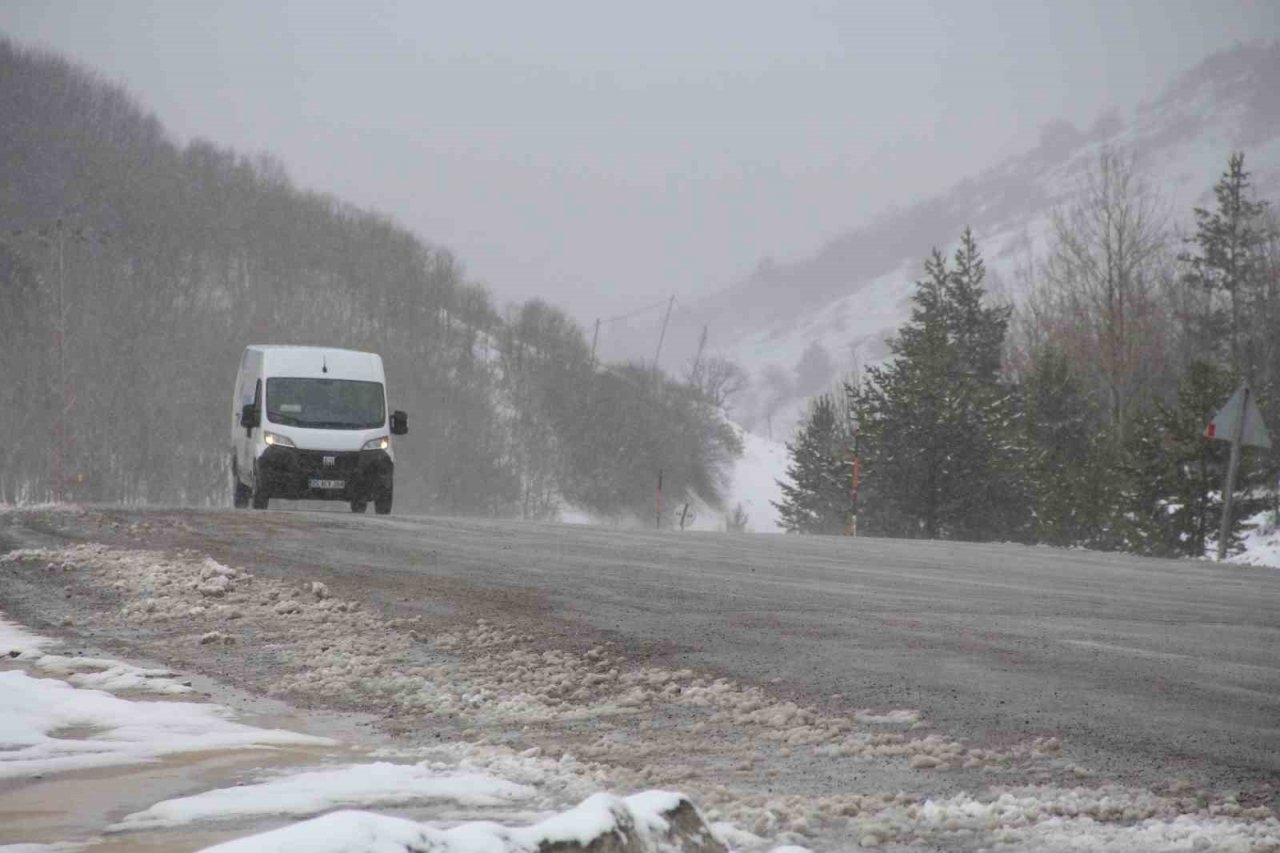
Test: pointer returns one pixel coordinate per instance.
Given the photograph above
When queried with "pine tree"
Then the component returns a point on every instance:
(817, 498)
(1233, 267)
(937, 428)
(1067, 496)
(1228, 266)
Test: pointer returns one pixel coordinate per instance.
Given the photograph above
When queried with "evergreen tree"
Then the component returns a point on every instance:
(1228, 265)
(1233, 267)
(937, 428)
(817, 498)
(1070, 500)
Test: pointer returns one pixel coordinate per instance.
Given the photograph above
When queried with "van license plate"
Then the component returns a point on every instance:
(327, 484)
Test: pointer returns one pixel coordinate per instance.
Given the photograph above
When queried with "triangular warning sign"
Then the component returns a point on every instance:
(1226, 425)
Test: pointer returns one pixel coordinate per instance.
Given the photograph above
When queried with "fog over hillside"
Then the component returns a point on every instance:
(854, 293)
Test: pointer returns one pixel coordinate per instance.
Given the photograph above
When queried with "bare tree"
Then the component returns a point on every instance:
(720, 380)
(1100, 299)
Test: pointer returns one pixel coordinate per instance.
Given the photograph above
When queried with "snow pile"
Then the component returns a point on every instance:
(314, 791)
(561, 780)
(1261, 541)
(50, 726)
(652, 821)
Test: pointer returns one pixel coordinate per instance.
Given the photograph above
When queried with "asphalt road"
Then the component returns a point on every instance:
(1146, 669)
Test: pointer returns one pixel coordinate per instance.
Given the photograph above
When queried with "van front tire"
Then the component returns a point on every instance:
(359, 506)
(382, 503)
(260, 497)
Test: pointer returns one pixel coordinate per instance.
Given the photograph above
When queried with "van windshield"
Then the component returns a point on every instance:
(325, 403)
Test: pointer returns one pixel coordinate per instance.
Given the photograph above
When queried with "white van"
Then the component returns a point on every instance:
(312, 423)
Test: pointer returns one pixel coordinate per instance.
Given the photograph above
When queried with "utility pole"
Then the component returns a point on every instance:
(60, 445)
(702, 347)
(595, 336)
(663, 336)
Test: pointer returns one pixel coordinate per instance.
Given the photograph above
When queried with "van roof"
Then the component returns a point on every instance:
(297, 347)
(299, 361)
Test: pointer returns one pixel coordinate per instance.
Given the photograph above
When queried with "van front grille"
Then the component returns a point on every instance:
(343, 463)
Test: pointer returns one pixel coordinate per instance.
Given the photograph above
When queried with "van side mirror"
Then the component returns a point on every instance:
(250, 417)
(399, 423)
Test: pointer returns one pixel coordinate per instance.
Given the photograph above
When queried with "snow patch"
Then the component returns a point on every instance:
(314, 791)
(1261, 542)
(49, 726)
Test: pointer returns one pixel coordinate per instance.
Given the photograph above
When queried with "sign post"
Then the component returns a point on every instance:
(1240, 423)
(658, 503)
(853, 496)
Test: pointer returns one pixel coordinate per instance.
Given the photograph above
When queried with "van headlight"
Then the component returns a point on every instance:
(274, 439)
(379, 443)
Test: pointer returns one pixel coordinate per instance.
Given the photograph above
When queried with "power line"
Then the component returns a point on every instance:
(660, 303)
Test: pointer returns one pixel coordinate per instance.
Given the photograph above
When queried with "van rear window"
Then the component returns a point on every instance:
(326, 403)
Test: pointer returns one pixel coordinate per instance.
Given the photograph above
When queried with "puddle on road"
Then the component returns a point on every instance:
(81, 804)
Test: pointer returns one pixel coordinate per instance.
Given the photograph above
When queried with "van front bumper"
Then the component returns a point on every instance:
(286, 472)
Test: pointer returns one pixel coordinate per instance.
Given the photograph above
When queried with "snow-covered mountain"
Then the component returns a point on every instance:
(797, 326)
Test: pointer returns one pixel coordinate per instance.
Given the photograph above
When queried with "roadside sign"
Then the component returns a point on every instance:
(1226, 425)
(1240, 423)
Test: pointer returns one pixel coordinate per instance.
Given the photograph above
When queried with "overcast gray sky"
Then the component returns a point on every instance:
(603, 155)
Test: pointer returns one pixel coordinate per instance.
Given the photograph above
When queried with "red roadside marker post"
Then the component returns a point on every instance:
(1240, 423)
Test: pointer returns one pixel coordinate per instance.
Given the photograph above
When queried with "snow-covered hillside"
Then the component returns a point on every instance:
(856, 291)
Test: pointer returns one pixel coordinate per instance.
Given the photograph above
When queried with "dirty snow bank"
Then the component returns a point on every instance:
(652, 821)
(649, 726)
(48, 725)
